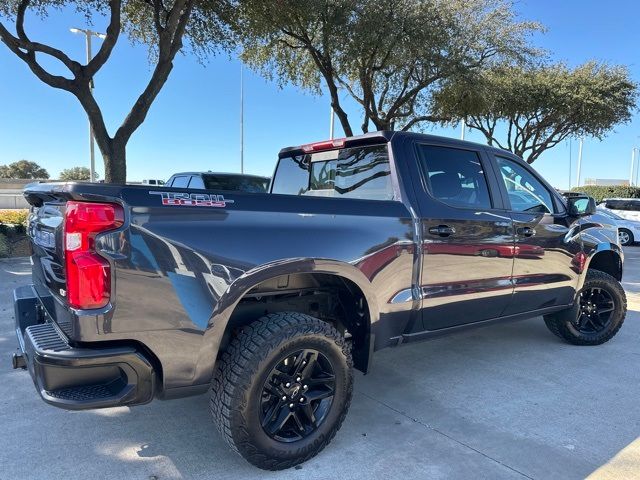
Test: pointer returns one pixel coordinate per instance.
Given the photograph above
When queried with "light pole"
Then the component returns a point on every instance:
(463, 124)
(637, 169)
(241, 120)
(579, 161)
(633, 158)
(331, 120)
(88, 34)
(570, 160)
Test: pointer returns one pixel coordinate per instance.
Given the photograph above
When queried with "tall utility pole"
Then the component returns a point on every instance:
(88, 34)
(637, 168)
(331, 120)
(579, 161)
(241, 121)
(633, 157)
(570, 160)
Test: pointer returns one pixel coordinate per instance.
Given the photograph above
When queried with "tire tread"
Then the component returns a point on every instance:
(558, 323)
(238, 367)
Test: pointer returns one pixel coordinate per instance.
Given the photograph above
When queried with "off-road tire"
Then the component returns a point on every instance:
(562, 323)
(240, 374)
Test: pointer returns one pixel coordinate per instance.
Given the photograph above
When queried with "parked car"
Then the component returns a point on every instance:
(268, 301)
(628, 230)
(234, 182)
(628, 208)
(152, 181)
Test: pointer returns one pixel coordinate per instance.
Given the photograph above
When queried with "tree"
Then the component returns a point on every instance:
(23, 169)
(76, 173)
(528, 110)
(389, 56)
(162, 24)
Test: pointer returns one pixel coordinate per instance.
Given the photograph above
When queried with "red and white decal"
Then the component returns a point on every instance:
(192, 199)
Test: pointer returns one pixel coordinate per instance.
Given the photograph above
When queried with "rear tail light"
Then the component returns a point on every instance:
(88, 274)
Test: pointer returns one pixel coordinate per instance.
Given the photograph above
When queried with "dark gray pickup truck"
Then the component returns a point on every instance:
(269, 300)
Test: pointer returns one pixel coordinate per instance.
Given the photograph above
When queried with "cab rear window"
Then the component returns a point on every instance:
(359, 172)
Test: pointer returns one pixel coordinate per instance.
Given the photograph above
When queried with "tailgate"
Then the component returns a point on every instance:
(45, 228)
(70, 276)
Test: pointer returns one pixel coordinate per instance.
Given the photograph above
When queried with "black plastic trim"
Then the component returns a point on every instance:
(79, 378)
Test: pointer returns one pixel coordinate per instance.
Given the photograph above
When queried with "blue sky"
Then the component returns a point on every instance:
(194, 123)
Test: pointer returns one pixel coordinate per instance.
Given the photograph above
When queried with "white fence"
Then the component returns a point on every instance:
(10, 199)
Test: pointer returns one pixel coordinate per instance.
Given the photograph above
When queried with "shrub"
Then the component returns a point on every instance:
(600, 192)
(4, 246)
(14, 217)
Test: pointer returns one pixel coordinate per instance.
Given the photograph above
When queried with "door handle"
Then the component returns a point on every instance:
(442, 230)
(526, 231)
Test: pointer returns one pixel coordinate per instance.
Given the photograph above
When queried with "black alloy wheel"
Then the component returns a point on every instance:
(597, 314)
(297, 396)
(596, 310)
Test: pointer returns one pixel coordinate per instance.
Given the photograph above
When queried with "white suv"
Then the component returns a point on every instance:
(628, 208)
(628, 230)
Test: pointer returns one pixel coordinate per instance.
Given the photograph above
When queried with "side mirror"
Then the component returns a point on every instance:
(581, 206)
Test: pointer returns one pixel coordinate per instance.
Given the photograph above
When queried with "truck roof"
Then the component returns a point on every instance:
(221, 174)
(381, 136)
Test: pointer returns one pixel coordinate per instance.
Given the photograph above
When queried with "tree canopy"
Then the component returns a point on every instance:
(530, 109)
(161, 24)
(23, 169)
(389, 56)
(76, 173)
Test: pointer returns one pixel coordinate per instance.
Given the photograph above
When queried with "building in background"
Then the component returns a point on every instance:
(606, 182)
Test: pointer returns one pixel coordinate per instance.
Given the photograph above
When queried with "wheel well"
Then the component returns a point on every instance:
(607, 262)
(331, 298)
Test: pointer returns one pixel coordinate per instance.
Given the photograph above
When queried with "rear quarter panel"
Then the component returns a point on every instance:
(181, 269)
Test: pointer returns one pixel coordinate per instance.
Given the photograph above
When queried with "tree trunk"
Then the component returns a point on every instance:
(383, 124)
(115, 162)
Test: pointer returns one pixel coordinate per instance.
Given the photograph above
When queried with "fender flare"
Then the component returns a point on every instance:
(600, 248)
(227, 303)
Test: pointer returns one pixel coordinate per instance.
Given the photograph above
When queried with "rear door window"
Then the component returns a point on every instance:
(196, 183)
(180, 182)
(358, 172)
(455, 176)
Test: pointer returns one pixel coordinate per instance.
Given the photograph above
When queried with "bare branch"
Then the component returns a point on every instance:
(25, 44)
(113, 32)
(169, 46)
(423, 118)
(14, 44)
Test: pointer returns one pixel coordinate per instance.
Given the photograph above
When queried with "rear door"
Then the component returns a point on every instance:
(545, 271)
(467, 236)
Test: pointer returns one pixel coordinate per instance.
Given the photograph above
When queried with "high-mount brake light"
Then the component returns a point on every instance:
(88, 274)
(325, 145)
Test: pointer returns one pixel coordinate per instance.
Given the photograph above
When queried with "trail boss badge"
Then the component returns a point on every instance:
(192, 199)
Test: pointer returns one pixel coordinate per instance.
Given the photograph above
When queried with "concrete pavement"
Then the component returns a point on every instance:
(500, 402)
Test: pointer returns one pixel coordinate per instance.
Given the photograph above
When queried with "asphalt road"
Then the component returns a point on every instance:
(499, 402)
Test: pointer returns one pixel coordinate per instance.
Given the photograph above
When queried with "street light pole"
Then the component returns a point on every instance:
(579, 161)
(570, 160)
(241, 120)
(463, 124)
(637, 167)
(88, 34)
(331, 120)
(633, 157)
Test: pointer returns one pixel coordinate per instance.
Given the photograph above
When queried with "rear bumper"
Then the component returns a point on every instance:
(77, 378)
